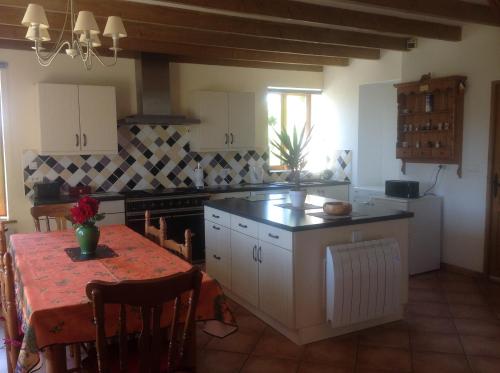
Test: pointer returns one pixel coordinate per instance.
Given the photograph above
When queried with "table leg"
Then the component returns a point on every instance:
(55, 357)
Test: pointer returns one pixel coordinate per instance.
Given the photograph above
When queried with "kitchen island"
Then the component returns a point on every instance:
(272, 260)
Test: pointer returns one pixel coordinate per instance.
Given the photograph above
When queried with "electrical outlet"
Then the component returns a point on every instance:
(357, 236)
(33, 166)
(35, 179)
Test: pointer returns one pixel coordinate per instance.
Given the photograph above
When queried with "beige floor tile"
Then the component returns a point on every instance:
(273, 344)
(384, 358)
(435, 342)
(258, 364)
(340, 351)
(212, 361)
(426, 362)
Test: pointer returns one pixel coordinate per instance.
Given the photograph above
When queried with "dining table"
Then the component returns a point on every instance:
(52, 306)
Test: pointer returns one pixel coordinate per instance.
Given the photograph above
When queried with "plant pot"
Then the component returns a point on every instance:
(298, 198)
(88, 238)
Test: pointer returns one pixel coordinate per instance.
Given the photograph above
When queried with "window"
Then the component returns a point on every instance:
(288, 109)
(3, 194)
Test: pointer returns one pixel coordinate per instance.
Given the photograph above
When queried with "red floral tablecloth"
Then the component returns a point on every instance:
(50, 288)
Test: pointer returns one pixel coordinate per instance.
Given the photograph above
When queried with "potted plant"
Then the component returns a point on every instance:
(292, 152)
(84, 215)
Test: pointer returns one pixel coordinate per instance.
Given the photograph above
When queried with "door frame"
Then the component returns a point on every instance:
(489, 196)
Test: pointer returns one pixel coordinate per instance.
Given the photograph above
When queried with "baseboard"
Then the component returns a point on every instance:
(462, 271)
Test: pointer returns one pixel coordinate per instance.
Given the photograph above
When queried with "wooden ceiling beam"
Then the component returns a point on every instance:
(331, 15)
(17, 33)
(196, 37)
(450, 9)
(250, 64)
(173, 17)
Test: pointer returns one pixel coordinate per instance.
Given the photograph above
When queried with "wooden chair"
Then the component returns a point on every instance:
(59, 213)
(178, 354)
(160, 236)
(8, 295)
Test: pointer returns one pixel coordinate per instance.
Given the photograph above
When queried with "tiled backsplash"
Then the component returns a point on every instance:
(153, 157)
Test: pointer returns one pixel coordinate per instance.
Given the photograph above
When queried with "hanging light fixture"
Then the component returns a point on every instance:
(84, 35)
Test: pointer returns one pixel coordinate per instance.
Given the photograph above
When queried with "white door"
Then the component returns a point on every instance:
(59, 119)
(212, 109)
(244, 267)
(276, 282)
(241, 120)
(218, 253)
(98, 119)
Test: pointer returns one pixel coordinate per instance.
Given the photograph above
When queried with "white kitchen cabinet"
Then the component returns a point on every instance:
(244, 267)
(227, 121)
(218, 253)
(340, 192)
(76, 119)
(276, 282)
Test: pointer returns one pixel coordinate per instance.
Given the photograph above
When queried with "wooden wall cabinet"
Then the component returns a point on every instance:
(77, 119)
(430, 121)
(227, 121)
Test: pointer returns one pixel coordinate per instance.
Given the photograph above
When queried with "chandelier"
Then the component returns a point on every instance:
(84, 35)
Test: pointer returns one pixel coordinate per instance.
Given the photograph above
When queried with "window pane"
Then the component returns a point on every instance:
(274, 123)
(296, 113)
(3, 200)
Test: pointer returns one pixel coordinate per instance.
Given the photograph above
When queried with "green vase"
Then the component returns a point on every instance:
(88, 238)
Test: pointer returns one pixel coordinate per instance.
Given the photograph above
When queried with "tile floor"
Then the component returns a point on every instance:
(452, 325)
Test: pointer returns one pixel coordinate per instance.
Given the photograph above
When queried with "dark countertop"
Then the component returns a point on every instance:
(292, 220)
(112, 196)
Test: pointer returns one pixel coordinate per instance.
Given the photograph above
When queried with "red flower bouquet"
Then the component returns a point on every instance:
(86, 212)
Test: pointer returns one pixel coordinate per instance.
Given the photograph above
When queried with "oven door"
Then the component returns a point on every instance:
(177, 223)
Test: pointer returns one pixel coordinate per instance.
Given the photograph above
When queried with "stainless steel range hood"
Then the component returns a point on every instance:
(153, 93)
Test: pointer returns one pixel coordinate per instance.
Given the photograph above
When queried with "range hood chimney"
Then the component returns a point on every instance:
(152, 72)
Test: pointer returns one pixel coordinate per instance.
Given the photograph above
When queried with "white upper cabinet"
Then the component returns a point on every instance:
(227, 121)
(76, 119)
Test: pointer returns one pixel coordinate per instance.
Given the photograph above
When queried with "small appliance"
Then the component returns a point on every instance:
(402, 188)
(256, 175)
(47, 189)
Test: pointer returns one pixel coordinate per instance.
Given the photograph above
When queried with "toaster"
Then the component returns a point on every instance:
(402, 188)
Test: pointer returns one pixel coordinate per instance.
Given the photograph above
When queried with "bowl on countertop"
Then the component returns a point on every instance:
(337, 208)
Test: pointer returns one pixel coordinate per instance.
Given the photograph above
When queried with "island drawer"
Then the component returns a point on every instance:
(276, 236)
(245, 226)
(217, 216)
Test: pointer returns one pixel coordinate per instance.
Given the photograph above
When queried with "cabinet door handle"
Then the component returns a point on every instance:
(227, 138)
(77, 140)
(232, 139)
(215, 216)
(260, 254)
(275, 236)
(243, 225)
(216, 257)
(216, 228)
(254, 255)
(84, 140)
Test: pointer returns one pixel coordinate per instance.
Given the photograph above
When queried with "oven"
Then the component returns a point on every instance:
(180, 212)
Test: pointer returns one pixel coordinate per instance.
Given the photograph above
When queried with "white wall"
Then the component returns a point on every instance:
(186, 78)
(377, 134)
(20, 126)
(341, 87)
(478, 58)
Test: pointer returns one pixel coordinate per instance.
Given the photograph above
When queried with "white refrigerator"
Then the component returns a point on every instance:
(424, 250)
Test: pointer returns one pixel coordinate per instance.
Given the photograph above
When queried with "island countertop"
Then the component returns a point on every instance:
(268, 212)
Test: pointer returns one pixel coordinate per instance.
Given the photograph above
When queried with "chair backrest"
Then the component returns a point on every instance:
(150, 296)
(59, 212)
(160, 236)
(8, 295)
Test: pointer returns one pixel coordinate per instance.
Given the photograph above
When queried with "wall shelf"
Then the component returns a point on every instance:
(437, 104)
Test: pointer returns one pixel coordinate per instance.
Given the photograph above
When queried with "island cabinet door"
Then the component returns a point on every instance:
(245, 267)
(276, 282)
(218, 253)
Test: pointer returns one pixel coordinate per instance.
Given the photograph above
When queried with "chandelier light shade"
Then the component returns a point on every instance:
(35, 16)
(85, 22)
(84, 35)
(115, 28)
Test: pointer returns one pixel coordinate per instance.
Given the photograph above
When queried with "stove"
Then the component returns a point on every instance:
(182, 208)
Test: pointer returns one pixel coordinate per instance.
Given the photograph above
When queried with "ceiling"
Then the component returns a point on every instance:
(284, 34)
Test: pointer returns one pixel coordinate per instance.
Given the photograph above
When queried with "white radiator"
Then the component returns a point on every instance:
(363, 281)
